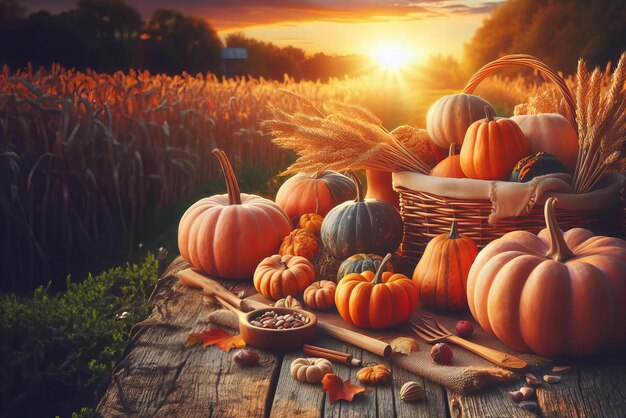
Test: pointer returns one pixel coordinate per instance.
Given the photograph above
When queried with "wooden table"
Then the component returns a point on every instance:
(158, 376)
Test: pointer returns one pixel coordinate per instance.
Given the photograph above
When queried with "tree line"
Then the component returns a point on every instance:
(110, 35)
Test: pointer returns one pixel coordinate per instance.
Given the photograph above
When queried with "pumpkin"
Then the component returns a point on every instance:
(536, 165)
(299, 242)
(441, 274)
(492, 147)
(311, 222)
(449, 117)
(358, 263)
(213, 232)
(449, 167)
(310, 370)
(279, 276)
(555, 293)
(551, 133)
(376, 300)
(374, 375)
(320, 295)
(314, 193)
(361, 226)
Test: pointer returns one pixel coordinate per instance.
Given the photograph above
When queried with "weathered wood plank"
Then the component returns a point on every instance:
(160, 377)
(304, 400)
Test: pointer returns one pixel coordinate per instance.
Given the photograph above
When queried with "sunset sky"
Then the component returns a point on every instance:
(421, 27)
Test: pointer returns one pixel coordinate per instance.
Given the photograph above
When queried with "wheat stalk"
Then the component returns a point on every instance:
(601, 117)
(349, 137)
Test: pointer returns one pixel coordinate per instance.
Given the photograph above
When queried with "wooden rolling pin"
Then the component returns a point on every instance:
(192, 278)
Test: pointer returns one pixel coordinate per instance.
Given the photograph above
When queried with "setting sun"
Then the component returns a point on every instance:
(391, 57)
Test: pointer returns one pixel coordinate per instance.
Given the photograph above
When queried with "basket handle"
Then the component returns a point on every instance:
(530, 62)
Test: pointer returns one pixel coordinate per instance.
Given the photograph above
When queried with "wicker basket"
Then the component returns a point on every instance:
(427, 215)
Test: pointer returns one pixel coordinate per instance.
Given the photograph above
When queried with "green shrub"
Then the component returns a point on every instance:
(57, 350)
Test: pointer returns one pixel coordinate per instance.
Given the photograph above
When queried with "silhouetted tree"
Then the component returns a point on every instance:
(179, 43)
(556, 31)
(11, 10)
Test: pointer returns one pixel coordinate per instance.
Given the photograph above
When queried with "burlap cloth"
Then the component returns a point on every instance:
(510, 199)
(467, 373)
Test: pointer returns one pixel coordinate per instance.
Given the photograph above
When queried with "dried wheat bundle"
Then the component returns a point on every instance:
(601, 118)
(349, 137)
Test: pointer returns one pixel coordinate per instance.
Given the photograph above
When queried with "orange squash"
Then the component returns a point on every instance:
(214, 231)
(376, 300)
(279, 276)
(299, 242)
(449, 117)
(441, 274)
(492, 147)
(311, 222)
(555, 293)
(449, 167)
(551, 133)
(320, 295)
(314, 193)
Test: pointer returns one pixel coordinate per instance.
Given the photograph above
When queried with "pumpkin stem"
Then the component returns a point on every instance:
(232, 187)
(489, 113)
(359, 187)
(285, 266)
(452, 150)
(378, 279)
(559, 251)
(454, 231)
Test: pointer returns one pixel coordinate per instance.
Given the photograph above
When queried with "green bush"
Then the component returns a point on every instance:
(58, 351)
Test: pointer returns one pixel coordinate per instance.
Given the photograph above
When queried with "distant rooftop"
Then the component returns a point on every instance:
(234, 53)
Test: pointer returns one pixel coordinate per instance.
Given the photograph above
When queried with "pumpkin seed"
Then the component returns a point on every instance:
(561, 369)
(552, 378)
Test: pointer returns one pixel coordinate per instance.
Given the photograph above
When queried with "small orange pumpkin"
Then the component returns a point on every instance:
(311, 222)
(214, 230)
(376, 301)
(299, 242)
(279, 276)
(492, 147)
(555, 293)
(320, 295)
(441, 274)
(450, 166)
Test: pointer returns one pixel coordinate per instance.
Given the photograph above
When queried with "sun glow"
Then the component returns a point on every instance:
(392, 57)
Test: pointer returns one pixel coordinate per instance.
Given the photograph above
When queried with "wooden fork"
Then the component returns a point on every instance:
(431, 331)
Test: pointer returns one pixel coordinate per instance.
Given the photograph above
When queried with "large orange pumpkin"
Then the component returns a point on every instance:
(551, 133)
(492, 147)
(449, 167)
(228, 235)
(557, 294)
(376, 300)
(441, 274)
(449, 117)
(314, 193)
(280, 276)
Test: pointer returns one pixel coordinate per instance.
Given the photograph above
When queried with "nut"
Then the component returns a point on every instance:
(532, 380)
(516, 396)
(246, 357)
(464, 329)
(441, 353)
(271, 320)
(412, 392)
(527, 393)
(561, 369)
(552, 378)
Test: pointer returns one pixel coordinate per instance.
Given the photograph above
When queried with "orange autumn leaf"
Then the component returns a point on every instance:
(218, 337)
(338, 389)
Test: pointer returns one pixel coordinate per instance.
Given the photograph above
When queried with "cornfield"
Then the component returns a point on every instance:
(84, 155)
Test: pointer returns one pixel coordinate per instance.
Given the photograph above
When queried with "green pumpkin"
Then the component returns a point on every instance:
(536, 165)
(361, 226)
(358, 263)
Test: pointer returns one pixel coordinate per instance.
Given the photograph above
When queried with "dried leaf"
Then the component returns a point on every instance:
(338, 389)
(218, 337)
(404, 345)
